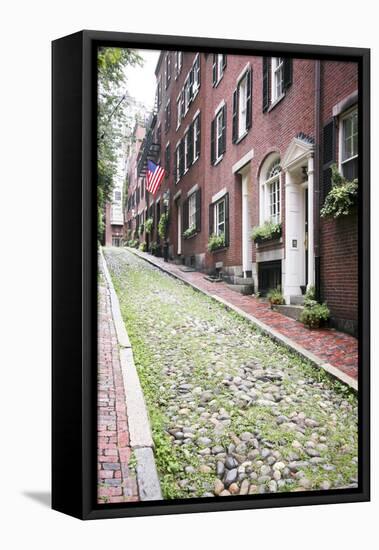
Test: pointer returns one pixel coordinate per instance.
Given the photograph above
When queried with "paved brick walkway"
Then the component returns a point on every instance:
(116, 481)
(337, 348)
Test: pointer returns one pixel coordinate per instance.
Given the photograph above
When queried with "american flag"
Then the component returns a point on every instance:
(155, 175)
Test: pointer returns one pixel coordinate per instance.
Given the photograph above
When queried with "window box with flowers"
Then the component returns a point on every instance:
(341, 199)
(190, 232)
(216, 242)
(267, 232)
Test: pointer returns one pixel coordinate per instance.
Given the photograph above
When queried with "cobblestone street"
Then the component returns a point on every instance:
(116, 477)
(231, 411)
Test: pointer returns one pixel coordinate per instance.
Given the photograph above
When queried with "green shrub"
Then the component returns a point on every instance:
(140, 229)
(162, 225)
(133, 243)
(153, 248)
(143, 247)
(266, 232)
(215, 242)
(189, 231)
(275, 297)
(342, 197)
(314, 314)
(149, 225)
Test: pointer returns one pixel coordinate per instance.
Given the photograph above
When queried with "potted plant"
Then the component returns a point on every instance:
(266, 232)
(275, 297)
(314, 314)
(143, 247)
(154, 248)
(215, 242)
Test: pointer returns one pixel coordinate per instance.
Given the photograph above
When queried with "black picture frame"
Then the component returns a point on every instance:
(74, 272)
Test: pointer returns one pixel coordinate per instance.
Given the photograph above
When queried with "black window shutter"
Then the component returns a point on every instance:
(223, 62)
(328, 156)
(235, 116)
(198, 210)
(211, 215)
(249, 84)
(197, 152)
(185, 215)
(181, 158)
(265, 83)
(175, 165)
(167, 164)
(223, 137)
(169, 115)
(182, 111)
(214, 69)
(191, 84)
(287, 72)
(227, 219)
(190, 146)
(213, 152)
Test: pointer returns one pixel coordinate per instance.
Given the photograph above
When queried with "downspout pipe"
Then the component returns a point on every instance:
(317, 186)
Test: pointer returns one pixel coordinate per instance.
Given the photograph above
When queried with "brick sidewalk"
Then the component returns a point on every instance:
(116, 481)
(336, 348)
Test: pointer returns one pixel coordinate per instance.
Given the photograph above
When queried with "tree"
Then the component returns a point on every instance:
(112, 120)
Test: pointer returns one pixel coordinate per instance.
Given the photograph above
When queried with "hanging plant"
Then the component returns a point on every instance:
(149, 225)
(162, 225)
(342, 197)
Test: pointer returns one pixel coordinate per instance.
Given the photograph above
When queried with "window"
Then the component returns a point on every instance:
(187, 155)
(178, 63)
(218, 135)
(270, 206)
(276, 79)
(218, 67)
(167, 116)
(117, 195)
(187, 95)
(168, 69)
(192, 210)
(196, 76)
(159, 93)
(177, 163)
(349, 145)
(196, 138)
(219, 218)
(167, 160)
(178, 111)
(277, 88)
(242, 107)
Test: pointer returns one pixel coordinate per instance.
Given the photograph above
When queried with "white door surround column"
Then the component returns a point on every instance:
(246, 226)
(179, 228)
(298, 166)
(311, 256)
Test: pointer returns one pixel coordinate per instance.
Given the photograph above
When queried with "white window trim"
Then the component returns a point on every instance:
(192, 204)
(185, 151)
(218, 156)
(274, 97)
(216, 223)
(219, 74)
(240, 117)
(342, 117)
(194, 94)
(218, 196)
(194, 140)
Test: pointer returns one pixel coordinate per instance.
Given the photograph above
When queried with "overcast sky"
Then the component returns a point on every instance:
(141, 81)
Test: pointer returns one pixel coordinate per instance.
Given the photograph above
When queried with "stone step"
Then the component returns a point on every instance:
(234, 270)
(297, 300)
(235, 280)
(242, 289)
(291, 311)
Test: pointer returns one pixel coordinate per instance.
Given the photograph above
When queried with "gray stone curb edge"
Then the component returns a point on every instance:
(141, 440)
(272, 333)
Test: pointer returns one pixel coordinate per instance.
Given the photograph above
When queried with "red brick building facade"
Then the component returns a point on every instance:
(245, 140)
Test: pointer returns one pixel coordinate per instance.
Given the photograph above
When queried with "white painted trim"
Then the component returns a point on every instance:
(345, 103)
(193, 189)
(243, 161)
(177, 195)
(219, 195)
(167, 144)
(196, 114)
(219, 106)
(270, 255)
(242, 73)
